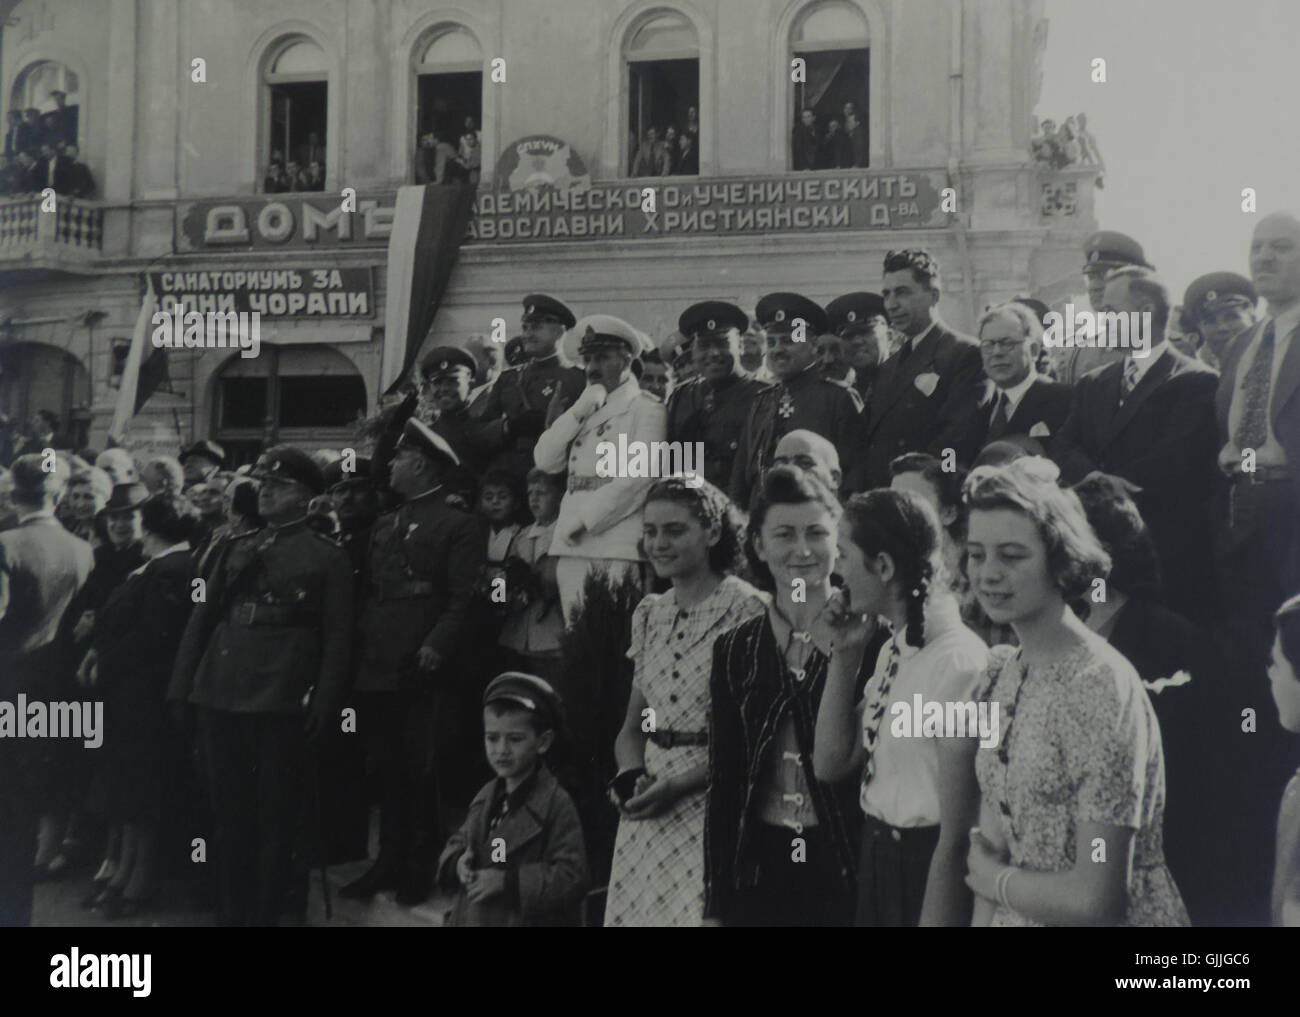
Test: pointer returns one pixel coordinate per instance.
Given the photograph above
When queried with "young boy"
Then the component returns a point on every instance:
(1282, 673)
(519, 858)
(535, 623)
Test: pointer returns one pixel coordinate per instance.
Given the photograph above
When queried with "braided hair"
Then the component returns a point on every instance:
(901, 525)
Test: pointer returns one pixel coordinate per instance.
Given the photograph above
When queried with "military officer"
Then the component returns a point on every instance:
(801, 397)
(713, 407)
(519, 405)
(859, 319)
(201, 461)
(421, 568)
(265, 659)
(1219, 307)
(1103, 252)
(446, 374)
(599, 524)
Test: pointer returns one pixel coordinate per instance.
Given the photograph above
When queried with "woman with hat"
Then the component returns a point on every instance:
(75, 771)
(691, 534)
(136, 636)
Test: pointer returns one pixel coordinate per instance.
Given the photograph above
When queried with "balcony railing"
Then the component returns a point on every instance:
(71, 234)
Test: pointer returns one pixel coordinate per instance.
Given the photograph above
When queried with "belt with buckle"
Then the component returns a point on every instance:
(673, 739)
(587, 483)
(284, 615)
(880, 830)
(403, 591)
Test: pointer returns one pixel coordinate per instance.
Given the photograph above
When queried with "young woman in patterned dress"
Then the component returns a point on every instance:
(691, 536)
(1072, 797)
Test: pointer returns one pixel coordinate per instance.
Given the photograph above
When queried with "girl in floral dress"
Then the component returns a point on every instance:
(691, 537)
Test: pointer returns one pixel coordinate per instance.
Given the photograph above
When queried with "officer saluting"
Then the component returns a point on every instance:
(800, 400)
(420, 573)
(447, 373)
(712, 407)
(271, 642)
(519, 406)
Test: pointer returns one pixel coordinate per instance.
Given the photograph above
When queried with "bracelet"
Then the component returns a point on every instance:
(1004, 877)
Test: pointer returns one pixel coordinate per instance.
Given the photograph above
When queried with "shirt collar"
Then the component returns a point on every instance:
(184, 545)
(1284, 324)
(1016, 393)
(515, 799)
(1144, 363)
(44, 513)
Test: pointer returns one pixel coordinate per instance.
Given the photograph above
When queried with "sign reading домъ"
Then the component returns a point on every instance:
(298, 292)
(790, 203)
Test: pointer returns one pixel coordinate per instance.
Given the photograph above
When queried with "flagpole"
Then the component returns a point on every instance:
(126, 392)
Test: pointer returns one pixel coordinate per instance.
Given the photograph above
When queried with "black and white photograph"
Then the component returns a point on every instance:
(651, 463)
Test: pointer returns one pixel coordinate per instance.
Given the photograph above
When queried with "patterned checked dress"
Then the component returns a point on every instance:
(658, 872)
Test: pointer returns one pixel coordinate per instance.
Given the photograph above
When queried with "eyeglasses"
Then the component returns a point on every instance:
(1001, 345)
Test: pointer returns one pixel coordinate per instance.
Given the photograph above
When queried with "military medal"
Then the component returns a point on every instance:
(548, 388)
(786, 406)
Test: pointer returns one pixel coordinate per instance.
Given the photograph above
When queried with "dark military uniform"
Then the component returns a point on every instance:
(714, 412)
(423, 561)
(515, 411)
(275, 631)
(805, 402)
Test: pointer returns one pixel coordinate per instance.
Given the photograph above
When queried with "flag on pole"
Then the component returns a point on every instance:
(429, 223)
(145, 370)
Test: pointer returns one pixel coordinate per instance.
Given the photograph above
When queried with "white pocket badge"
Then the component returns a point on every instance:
(1040, 430)
(927, 383)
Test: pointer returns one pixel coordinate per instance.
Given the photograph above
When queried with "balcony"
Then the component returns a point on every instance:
(68, 239)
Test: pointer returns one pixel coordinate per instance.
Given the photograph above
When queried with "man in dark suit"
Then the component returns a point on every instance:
(42, 567)
(1258, 416)
(856, 131)
(421, 568)
(927, 392)
(1150, 420)
(804, 142)
(265, 659)
(1019, 400)
(61, 122)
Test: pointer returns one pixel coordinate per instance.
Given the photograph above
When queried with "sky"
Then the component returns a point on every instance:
(1200, 102)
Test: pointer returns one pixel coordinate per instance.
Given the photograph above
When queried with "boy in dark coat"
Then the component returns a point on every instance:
(519, 857)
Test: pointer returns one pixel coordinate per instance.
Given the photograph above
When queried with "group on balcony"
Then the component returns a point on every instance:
(41, 151)
(842, 145)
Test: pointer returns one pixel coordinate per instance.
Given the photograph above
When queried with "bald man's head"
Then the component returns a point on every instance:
(810, 452)
(1275, 260)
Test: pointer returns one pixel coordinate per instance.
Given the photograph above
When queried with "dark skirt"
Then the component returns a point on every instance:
(892, 873)
(790, 893)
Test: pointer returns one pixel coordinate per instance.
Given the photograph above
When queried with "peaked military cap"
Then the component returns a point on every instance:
(539, 307)
(418, 435)
(598, 332)
(444, 361)
(205, 449)
(1217, 290)
(1107, 248)
(711, 317)
(777, 312)
(526, 690)
(286, 462)
(853, 312)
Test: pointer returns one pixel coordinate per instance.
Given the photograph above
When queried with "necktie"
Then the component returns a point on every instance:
(999, 420)
(1252, 430)
(1130, 378)
(876, 708)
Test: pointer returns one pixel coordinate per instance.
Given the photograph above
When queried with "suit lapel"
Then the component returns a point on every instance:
(1228, 375)
(904, 375)
(1025, 413)
(1149, 382)
(1288, 376)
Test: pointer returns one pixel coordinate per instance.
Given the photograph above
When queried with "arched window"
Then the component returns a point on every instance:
(54, 92)
(296, 80)
(829, 125)
(311, 395)
(663, 76)
(448, 67)
(36, 376)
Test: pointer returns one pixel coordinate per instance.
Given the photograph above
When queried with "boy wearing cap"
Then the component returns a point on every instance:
(519, 858)
(1219, 307)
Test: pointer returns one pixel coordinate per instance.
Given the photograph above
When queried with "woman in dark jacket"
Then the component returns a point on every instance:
(779, 847)
(137, 633)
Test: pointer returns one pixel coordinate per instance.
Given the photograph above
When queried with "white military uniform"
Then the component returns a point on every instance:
(609, 507)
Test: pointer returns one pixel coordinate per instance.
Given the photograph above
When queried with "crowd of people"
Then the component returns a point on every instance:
(40, 151)
(1070, 144)
(672, 151)
(841, 144)
(439, 161)
(934, 630)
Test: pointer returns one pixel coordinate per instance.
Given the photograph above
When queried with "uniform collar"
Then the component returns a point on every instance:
(36, 516)
(622, 396)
